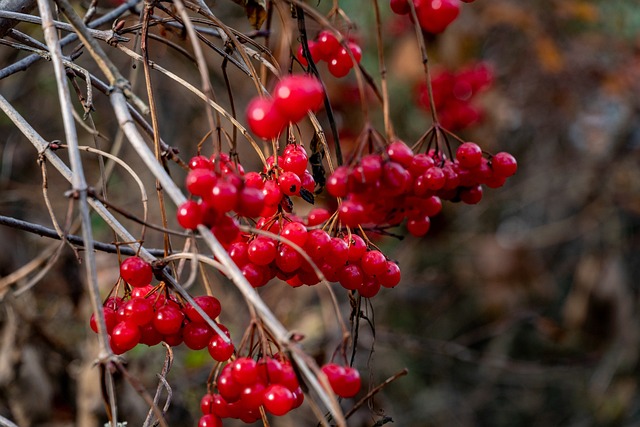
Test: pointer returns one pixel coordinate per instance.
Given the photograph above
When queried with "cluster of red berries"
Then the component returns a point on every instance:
(326, 47)
(245, 385)
(344, 380)
(434, 16)
(385, 190)
(293, 97)
(347, 259)
(453, 93)
(147, 315)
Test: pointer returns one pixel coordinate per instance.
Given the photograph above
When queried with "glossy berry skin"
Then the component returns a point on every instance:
(250, 202)
(435, 16)
(168, 319)
(289, 183)
(400, 7)
(197, 335)
(262, 251)
(210, 420)
(200, 181)
(504, 164)
(294, 95)
(390, 277)
(277, 399)
(124, 336)
(264, 119)
(327, 44)
(189, 215)
(244, 371)
(220, 350)
(209, 304)
(317, 216)
(136, 272)
(373, 263)
(469, 155)
(223, 196)
(138, 310)
(109, 319)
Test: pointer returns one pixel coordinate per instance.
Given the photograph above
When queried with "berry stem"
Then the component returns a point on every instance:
(425, 61)
(388, 126)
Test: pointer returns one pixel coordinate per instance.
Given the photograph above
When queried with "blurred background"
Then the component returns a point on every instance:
(521, 310)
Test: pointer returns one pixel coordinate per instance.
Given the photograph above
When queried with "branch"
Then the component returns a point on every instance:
(71, 238)
(24, 6)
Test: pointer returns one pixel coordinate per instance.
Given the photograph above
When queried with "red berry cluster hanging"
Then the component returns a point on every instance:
(245, 385)
(150, 314)
(344, 380)
(385, 189)
(453, 93)
(434, 16)
(326, 47)
(293, 97)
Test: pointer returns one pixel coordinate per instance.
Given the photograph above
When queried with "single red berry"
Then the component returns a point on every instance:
(295, 162)
(287, 259)
(109, 319)
(294, 95)
(250, 202)
(370, 287)
(400, 7)
(317, 244)
(340, 65)
(435, 16)
(469, 155)
(124, 336)
(350, 277)
(350, 383)
(327, 44)
(199, 182)
(206, 404)
(338, 253)
(264, 119)
(277, 399)
(138, 310)
(419, 226)
(238, 253)
(337, 182)
(351, 213)
(373, 263)
(434, 178)
(401, 153)
(316, 56)
(200, 162)
(370, 168)
(289, 183)
(223, 196)
(296, 232)
(220, 350)
(262, 251)
(504, 164)
(254, 274)
(196, 336)
(189, 214)
(317, 216)
(390, 277)
(357, 247)
(136, 272)
(226, 229)
(168, 319)
(209, 304)
(210, 420)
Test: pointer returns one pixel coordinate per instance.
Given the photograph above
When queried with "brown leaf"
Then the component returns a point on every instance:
(256, 11)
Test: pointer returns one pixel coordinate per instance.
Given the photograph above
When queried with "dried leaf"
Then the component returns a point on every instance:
(256, 11)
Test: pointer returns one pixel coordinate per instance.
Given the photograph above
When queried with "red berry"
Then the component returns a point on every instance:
(471, 195)
(238, 253)
(350, 383)
(317, 244)
(469, 155)
(317, 216)
(109, 319)
(264, 119)
(357, 248)
(390, 277)
(189, 214)
(250, 202)
(295, 232)
(419, 226)
(200, 181)
(295, 162)
(138, 311)
(287, 259)
(504, 164)
(294, 95)
(124, 336)
(351, 213)
(373, 263)
(435, 16)
(350, 277)
(400, 7)
(200, 162)
(327, 44)
(370, 287)
(226, 229)
(220, 350)
(337, 182)
(136, 272)
(168, 319)
(210, 305)
(340, 65)
(289, 183)
(400, 152)
(277, 399)
(210, 420)
(262, 251)
(244, 371)
(223, 196)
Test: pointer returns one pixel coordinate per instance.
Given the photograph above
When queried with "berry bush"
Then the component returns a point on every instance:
(246, 207)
